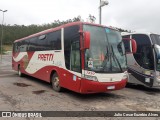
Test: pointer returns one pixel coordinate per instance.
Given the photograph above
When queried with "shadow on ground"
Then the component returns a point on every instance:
(147, 90)
(102, 96)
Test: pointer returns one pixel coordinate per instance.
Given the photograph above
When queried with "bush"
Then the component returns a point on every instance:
(3, 51)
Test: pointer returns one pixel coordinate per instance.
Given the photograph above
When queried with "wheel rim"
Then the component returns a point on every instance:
(56, 82)
(19, 72)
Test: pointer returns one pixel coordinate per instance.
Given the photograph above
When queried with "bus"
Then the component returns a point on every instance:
(144, 65)
(82, 57)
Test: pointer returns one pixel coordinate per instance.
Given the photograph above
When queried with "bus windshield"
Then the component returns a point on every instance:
(106, 53)
(156, 41)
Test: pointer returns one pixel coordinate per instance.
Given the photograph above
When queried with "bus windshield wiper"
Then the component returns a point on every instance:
(119, 47)
(114, 56)
(107, 59)
(110, 54)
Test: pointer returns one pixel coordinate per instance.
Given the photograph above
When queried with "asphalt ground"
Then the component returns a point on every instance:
(31, 94)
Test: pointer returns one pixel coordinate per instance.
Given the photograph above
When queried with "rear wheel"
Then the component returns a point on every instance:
(55, 83)
(20, 74)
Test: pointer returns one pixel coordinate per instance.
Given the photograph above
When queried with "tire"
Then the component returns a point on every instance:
(55, 83)
(20, 74)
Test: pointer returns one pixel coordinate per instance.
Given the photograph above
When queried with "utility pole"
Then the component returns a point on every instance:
(102, 3)
(2, 32)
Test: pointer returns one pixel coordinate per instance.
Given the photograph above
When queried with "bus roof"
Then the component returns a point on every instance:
(58, 28)
(146, 33)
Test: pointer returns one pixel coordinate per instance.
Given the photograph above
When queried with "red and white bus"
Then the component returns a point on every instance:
(82, 57)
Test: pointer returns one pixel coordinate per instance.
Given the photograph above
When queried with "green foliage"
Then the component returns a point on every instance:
(3, 51)
(121, 30)
(14, 32)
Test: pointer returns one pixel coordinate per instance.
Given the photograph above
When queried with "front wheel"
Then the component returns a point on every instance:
(55, 83)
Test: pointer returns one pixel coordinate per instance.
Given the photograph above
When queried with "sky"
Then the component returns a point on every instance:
(135, 15)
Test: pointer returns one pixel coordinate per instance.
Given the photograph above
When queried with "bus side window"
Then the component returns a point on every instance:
(15, 47)
(32, 44)
(18, 46)
(54, 40)
(41, 43)
(71, 35)
(147, 58)
(126, 44)
(23, 46)
(75, 57)
(144, 55)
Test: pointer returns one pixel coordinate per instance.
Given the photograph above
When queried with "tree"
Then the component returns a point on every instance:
(14, 32)
(91, 18)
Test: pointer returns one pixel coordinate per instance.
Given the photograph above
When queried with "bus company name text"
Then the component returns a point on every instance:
(45, 57)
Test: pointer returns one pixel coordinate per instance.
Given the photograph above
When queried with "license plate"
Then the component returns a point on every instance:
(111, 87)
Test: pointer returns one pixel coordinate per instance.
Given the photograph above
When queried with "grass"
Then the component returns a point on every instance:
(7, 47)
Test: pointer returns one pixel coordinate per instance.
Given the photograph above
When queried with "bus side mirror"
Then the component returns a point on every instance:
(86, 40)
(134, 46)
(130, 45)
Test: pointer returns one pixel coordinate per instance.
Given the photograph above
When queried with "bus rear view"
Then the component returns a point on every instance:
(82, 57)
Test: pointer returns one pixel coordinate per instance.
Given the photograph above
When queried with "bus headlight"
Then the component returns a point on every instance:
(93, 78)
(125, 77)
(158, 79)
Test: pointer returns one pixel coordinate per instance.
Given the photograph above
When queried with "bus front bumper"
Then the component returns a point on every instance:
(88, 86)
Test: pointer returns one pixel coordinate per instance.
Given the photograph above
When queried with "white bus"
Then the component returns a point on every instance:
(144, 65)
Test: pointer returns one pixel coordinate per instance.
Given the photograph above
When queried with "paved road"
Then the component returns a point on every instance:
(31, 94)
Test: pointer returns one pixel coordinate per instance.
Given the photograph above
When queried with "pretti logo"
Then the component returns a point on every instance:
(45, 57)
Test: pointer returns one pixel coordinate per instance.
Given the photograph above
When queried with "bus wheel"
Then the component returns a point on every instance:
(19, 71)
(55, 83)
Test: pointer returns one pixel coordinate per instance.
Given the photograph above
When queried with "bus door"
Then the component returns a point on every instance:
(75, 64)
(144, 58)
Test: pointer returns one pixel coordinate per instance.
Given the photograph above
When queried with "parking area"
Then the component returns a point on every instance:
(29, 94)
